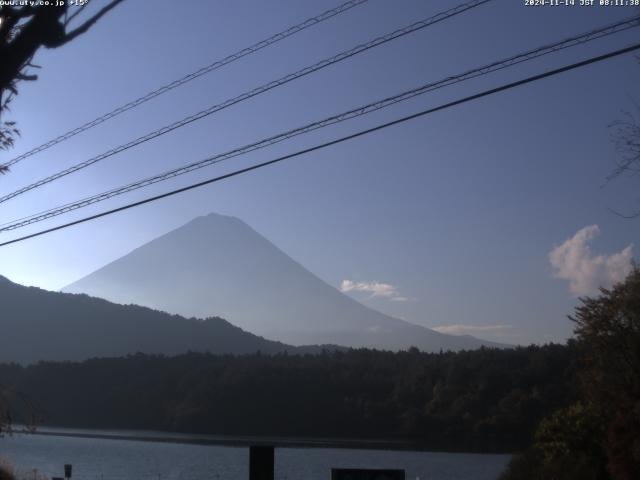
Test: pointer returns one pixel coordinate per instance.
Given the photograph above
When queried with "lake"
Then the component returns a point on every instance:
(119, 459)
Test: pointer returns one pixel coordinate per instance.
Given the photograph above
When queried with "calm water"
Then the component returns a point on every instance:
(105, 459)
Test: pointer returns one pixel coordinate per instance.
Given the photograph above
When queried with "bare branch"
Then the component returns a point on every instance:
(90, 22)
(622, 215)
(22, 76)
(75, 14)
(625, 135)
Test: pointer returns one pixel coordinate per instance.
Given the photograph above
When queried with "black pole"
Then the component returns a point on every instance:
(261, 463)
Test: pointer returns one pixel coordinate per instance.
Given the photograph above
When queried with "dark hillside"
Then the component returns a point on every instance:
(36, 324)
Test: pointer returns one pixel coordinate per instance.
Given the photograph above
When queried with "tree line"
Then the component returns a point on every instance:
(481, 400)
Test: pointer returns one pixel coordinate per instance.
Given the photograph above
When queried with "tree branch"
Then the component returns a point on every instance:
(74, 15)
(90, 22)
(622, 215)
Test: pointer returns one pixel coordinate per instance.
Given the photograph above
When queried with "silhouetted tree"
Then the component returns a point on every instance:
(23, 31)
(609, 329)
(598, 437)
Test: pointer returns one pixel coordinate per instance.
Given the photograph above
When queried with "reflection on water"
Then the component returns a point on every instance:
(100, 459)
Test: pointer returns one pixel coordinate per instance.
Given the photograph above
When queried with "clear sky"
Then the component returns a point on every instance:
(456, 213)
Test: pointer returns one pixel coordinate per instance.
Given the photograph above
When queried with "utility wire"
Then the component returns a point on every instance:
(362, 110)
(477, 96)
(252, 93)
(310, 22)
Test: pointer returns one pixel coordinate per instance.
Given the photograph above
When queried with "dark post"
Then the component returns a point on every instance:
(366, 474)
(261, 463)
(67, 471)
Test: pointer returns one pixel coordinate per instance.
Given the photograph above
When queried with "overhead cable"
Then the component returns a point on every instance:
(310, 22)
(361, 133)
(250, 94)
(353, 113)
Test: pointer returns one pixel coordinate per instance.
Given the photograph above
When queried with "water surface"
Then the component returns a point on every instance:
(106, 459)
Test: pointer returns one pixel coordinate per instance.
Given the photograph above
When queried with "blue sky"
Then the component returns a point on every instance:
(456, 213)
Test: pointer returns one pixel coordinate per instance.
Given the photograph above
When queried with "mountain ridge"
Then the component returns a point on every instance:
(219, 265)
(39, 325)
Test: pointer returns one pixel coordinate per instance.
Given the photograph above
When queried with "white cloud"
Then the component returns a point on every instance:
(376, 289)
(460, 329)
(574, 261)
(399, 299)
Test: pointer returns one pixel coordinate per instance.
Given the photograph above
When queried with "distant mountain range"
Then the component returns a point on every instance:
(39, 325)
(218, 265)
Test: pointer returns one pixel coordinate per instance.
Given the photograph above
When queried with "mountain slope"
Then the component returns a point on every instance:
(39, 325)
(218, 265)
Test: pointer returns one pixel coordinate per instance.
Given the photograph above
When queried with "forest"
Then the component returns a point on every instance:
(482, 400)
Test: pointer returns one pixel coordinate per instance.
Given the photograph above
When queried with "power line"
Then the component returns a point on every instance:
(485, 93)
(362, 110)
(252, 93)
(310, 22)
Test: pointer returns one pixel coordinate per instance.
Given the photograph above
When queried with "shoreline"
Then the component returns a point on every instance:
(245, 441)
(239, 441)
